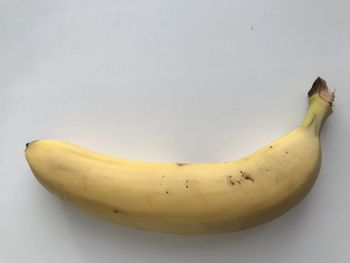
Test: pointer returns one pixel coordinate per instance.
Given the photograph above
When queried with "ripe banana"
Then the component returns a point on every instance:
(186, 198)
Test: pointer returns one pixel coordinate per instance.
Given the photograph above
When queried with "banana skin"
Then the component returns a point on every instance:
(197, 198)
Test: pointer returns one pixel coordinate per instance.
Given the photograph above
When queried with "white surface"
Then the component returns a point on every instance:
(169, 81)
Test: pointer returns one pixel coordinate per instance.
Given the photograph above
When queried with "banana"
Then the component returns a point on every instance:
(183, 198)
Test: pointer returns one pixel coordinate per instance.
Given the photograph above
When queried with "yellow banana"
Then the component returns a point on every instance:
(185, 198)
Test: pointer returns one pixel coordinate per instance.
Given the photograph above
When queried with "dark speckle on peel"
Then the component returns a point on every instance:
(230, 180)
(246, 176)
(181, 164)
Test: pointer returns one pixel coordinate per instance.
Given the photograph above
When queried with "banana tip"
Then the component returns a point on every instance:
(28, 144)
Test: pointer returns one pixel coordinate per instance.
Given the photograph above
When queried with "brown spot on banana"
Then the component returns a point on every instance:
(118, 211)
(246, 176)
(230, 181)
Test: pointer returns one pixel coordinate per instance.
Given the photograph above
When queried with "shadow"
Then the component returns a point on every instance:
(109, 240)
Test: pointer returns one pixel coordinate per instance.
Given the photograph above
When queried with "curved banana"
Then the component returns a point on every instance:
(188, 198)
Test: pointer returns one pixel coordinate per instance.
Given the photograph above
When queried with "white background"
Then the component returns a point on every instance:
(169, 80)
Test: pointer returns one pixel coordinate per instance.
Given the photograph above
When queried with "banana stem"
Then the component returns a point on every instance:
(320, 106)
